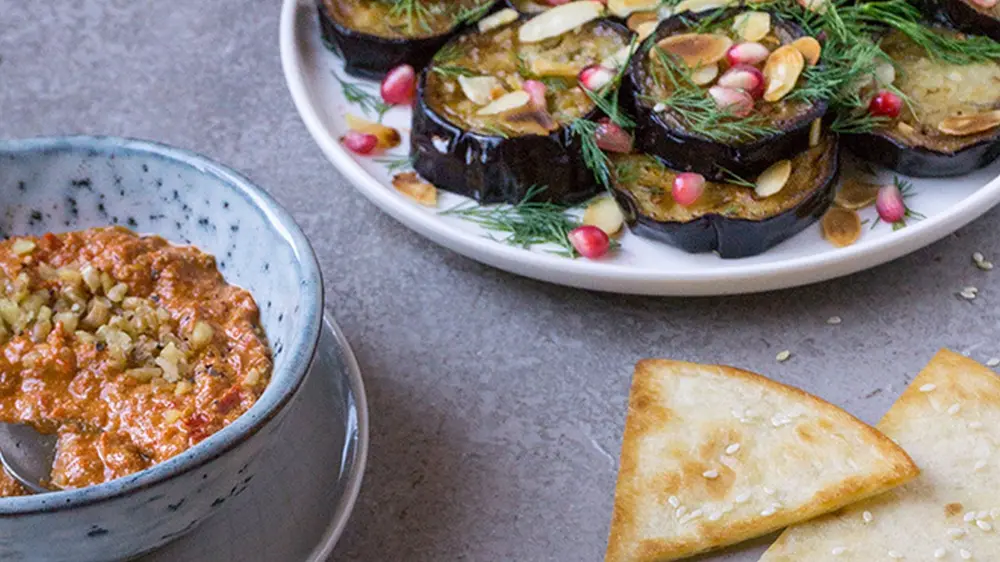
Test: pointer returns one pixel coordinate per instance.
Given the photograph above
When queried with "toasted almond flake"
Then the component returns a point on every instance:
(387, 136)
(559, 20)
(480, 90)
(856, 194)
(410, 185)
(743, 498)
(984, 525)
(834, 320)
(604, 213)
(940, 553)
(705, 74)
(773, 179)
(867, 516)
(782, 71)
(673, 501)
(752, 26)
(623, 8)
(513, 100)
(895, 555)
(499, 19)
(733, 449)
(928, 387)
(696, 49)
(965, 554)
(962, 125)
(22, 246)
(783, 356)
(697, 6)
(954, 409)
(711, 474)
(815, 132)
(810, 49)
(170, 416)
(838, 550)
(841, 227)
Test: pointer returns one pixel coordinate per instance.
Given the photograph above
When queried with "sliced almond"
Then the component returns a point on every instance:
(623, 8)
(782, 71)
(546, 67)
(773, 179)
(810, 49)
(841, 227)
(696, 6)
(529, 120)
(619, 58)
(499, 19)
(705, 74)
(506, 102)
(387, 136)
(604, 213)
(962, 125)
(480, 90)
(559, 20)
(855, 194)
(410, 185)
(696, 49)
(646, 29)
(640, 18)
(905, 128)
(752, 26)
(815, 132)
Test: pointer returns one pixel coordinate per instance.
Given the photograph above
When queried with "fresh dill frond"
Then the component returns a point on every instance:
(595, 159)
(734, 178)
(453, 71)
(473, 13)
(358, 94)
(856, 122)
(526, 224)
(397, 164)
(448, 54)
(413, 11)
(606, 99)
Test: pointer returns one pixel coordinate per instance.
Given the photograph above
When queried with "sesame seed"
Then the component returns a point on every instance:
(981, 262)
(743, 498)
(954, 408)
(928, 387)
(982, 514)
(779, 419)
(733, 449)
(940, 553)
(995, 513)
(867, 516)
(673, 501)
(715, 516)
(980, 464)
(783, 356)
(968, 293)
(984, 525)
(834, 320)
(955, 533)
(711, 474)
(659, 107)
(965, 554)
(767, 512)
(993, 362)
(969, 517)
(896, 555)
(975, 425)
(838, 550)
(768, 491)
(681, 511)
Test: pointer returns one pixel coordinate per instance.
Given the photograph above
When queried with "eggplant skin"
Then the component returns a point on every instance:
(919, 162)
(492, 169)
(734, 238)
(684, 151)
(969, 19)
(370, 56)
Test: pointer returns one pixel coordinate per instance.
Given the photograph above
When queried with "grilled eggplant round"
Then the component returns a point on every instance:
(951, 125)
(728, 219)
(375, 36)
(680, 122)
(477, 132)
(971, 17)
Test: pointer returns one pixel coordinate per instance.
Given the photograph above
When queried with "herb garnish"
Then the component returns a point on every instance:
(356, 93)
(413, 11)
(595, 159)
(473, 13)
(396, 164)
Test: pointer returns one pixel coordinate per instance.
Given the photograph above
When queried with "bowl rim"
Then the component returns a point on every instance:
(267, 407)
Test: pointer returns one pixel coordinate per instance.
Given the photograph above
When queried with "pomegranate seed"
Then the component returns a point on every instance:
(737, 102)
(985, 3)
(612, 138)
(889, 204)
(537, 91)
(595, 77)
(399, 85)
(885, 104)
(747, 53)
(591, 242)
(744, 77)
(687, 188)
(360, 143)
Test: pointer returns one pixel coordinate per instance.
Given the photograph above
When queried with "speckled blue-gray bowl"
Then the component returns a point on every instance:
(72, 183)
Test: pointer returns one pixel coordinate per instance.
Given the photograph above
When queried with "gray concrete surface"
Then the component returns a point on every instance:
(497, 402)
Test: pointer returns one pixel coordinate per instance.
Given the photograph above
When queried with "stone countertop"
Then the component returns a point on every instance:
(497, 402)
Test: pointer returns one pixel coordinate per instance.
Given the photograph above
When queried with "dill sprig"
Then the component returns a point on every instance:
(473, 13)
(413, 11)
(357, 93)
(397, 164)
(734, 178)
(905, 17)
(606, 99)
(453, 71)
(526, 224)
(593, 157)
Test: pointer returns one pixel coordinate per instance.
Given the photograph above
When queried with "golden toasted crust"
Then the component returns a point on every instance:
(752, 455)
(949, 421)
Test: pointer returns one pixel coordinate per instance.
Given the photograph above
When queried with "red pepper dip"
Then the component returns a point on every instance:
(128, 347)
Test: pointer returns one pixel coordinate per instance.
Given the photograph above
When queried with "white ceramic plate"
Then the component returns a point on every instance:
(641, 266)
(309, 480)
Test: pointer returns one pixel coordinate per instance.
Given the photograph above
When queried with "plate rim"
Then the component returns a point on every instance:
(602, 275)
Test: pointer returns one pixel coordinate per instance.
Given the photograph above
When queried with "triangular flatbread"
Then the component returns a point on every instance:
(949, 421)
(714, 455)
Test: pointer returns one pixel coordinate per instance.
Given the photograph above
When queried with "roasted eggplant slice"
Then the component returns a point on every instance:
(729, 219)
(979, 17)
(723, 90)
(374, 36)
(478, 132)
(951, 124)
